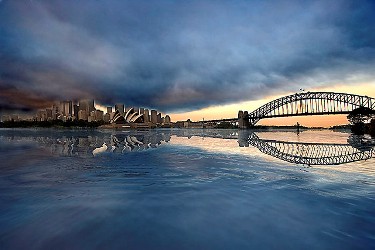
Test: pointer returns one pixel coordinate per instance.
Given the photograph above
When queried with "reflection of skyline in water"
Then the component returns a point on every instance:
(83, 143)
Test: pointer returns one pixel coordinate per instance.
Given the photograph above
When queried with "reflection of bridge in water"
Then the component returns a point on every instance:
(311, 153)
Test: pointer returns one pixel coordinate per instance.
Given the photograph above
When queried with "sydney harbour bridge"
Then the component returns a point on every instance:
(303, 104)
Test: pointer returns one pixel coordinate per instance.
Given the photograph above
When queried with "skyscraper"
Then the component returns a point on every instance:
(49, 114)
(75, 111)
(154, 116)
(66, 108)
(146, 115)
(87, 105)
(55, 111)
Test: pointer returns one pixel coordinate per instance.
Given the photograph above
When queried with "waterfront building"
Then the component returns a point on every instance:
(167, 119)
(107, 118)
(146, 115)
(96, 115)
(159, 119)
(55, 111)
(41, 115)
(82, 115)
(154, 116)
(15, 118)
(90, 118)
(49, 114)
(109, 110)
(5, 118)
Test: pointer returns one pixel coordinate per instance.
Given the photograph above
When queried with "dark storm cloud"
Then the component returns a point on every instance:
(181, 55)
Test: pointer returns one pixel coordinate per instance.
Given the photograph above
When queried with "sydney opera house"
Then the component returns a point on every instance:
(133, 117)
(129, 117)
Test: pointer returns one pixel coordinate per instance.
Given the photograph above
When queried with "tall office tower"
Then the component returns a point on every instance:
(91, 105)
(154, 116)
(55, 111)
(146, 115)
(75, 111)
(87, 105)
(82, 105)
(167, 119)
(69, 108)
(109, 110)
(39, 116)
(159, 118)
(66, 108)
(61, 108)
(49, 114)
(120, 108)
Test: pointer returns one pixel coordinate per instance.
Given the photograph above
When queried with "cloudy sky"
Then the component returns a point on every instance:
(180, 56)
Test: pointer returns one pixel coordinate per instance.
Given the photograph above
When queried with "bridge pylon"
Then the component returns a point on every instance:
(243, 121)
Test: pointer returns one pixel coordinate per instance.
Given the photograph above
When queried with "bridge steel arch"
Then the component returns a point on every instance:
(308, 103)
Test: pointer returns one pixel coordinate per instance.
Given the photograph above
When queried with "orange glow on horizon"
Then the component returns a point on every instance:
(231, 110)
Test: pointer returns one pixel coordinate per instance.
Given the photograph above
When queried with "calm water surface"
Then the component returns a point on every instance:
(186, 189)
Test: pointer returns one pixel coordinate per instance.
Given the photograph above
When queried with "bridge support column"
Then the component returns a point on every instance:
(240, 119)
(246, 122)
(243, 122)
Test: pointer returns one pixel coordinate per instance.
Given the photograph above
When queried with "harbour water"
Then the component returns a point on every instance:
(186, 189)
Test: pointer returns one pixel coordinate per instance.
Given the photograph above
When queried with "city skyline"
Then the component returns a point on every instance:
(197, 60)
(86, 110)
